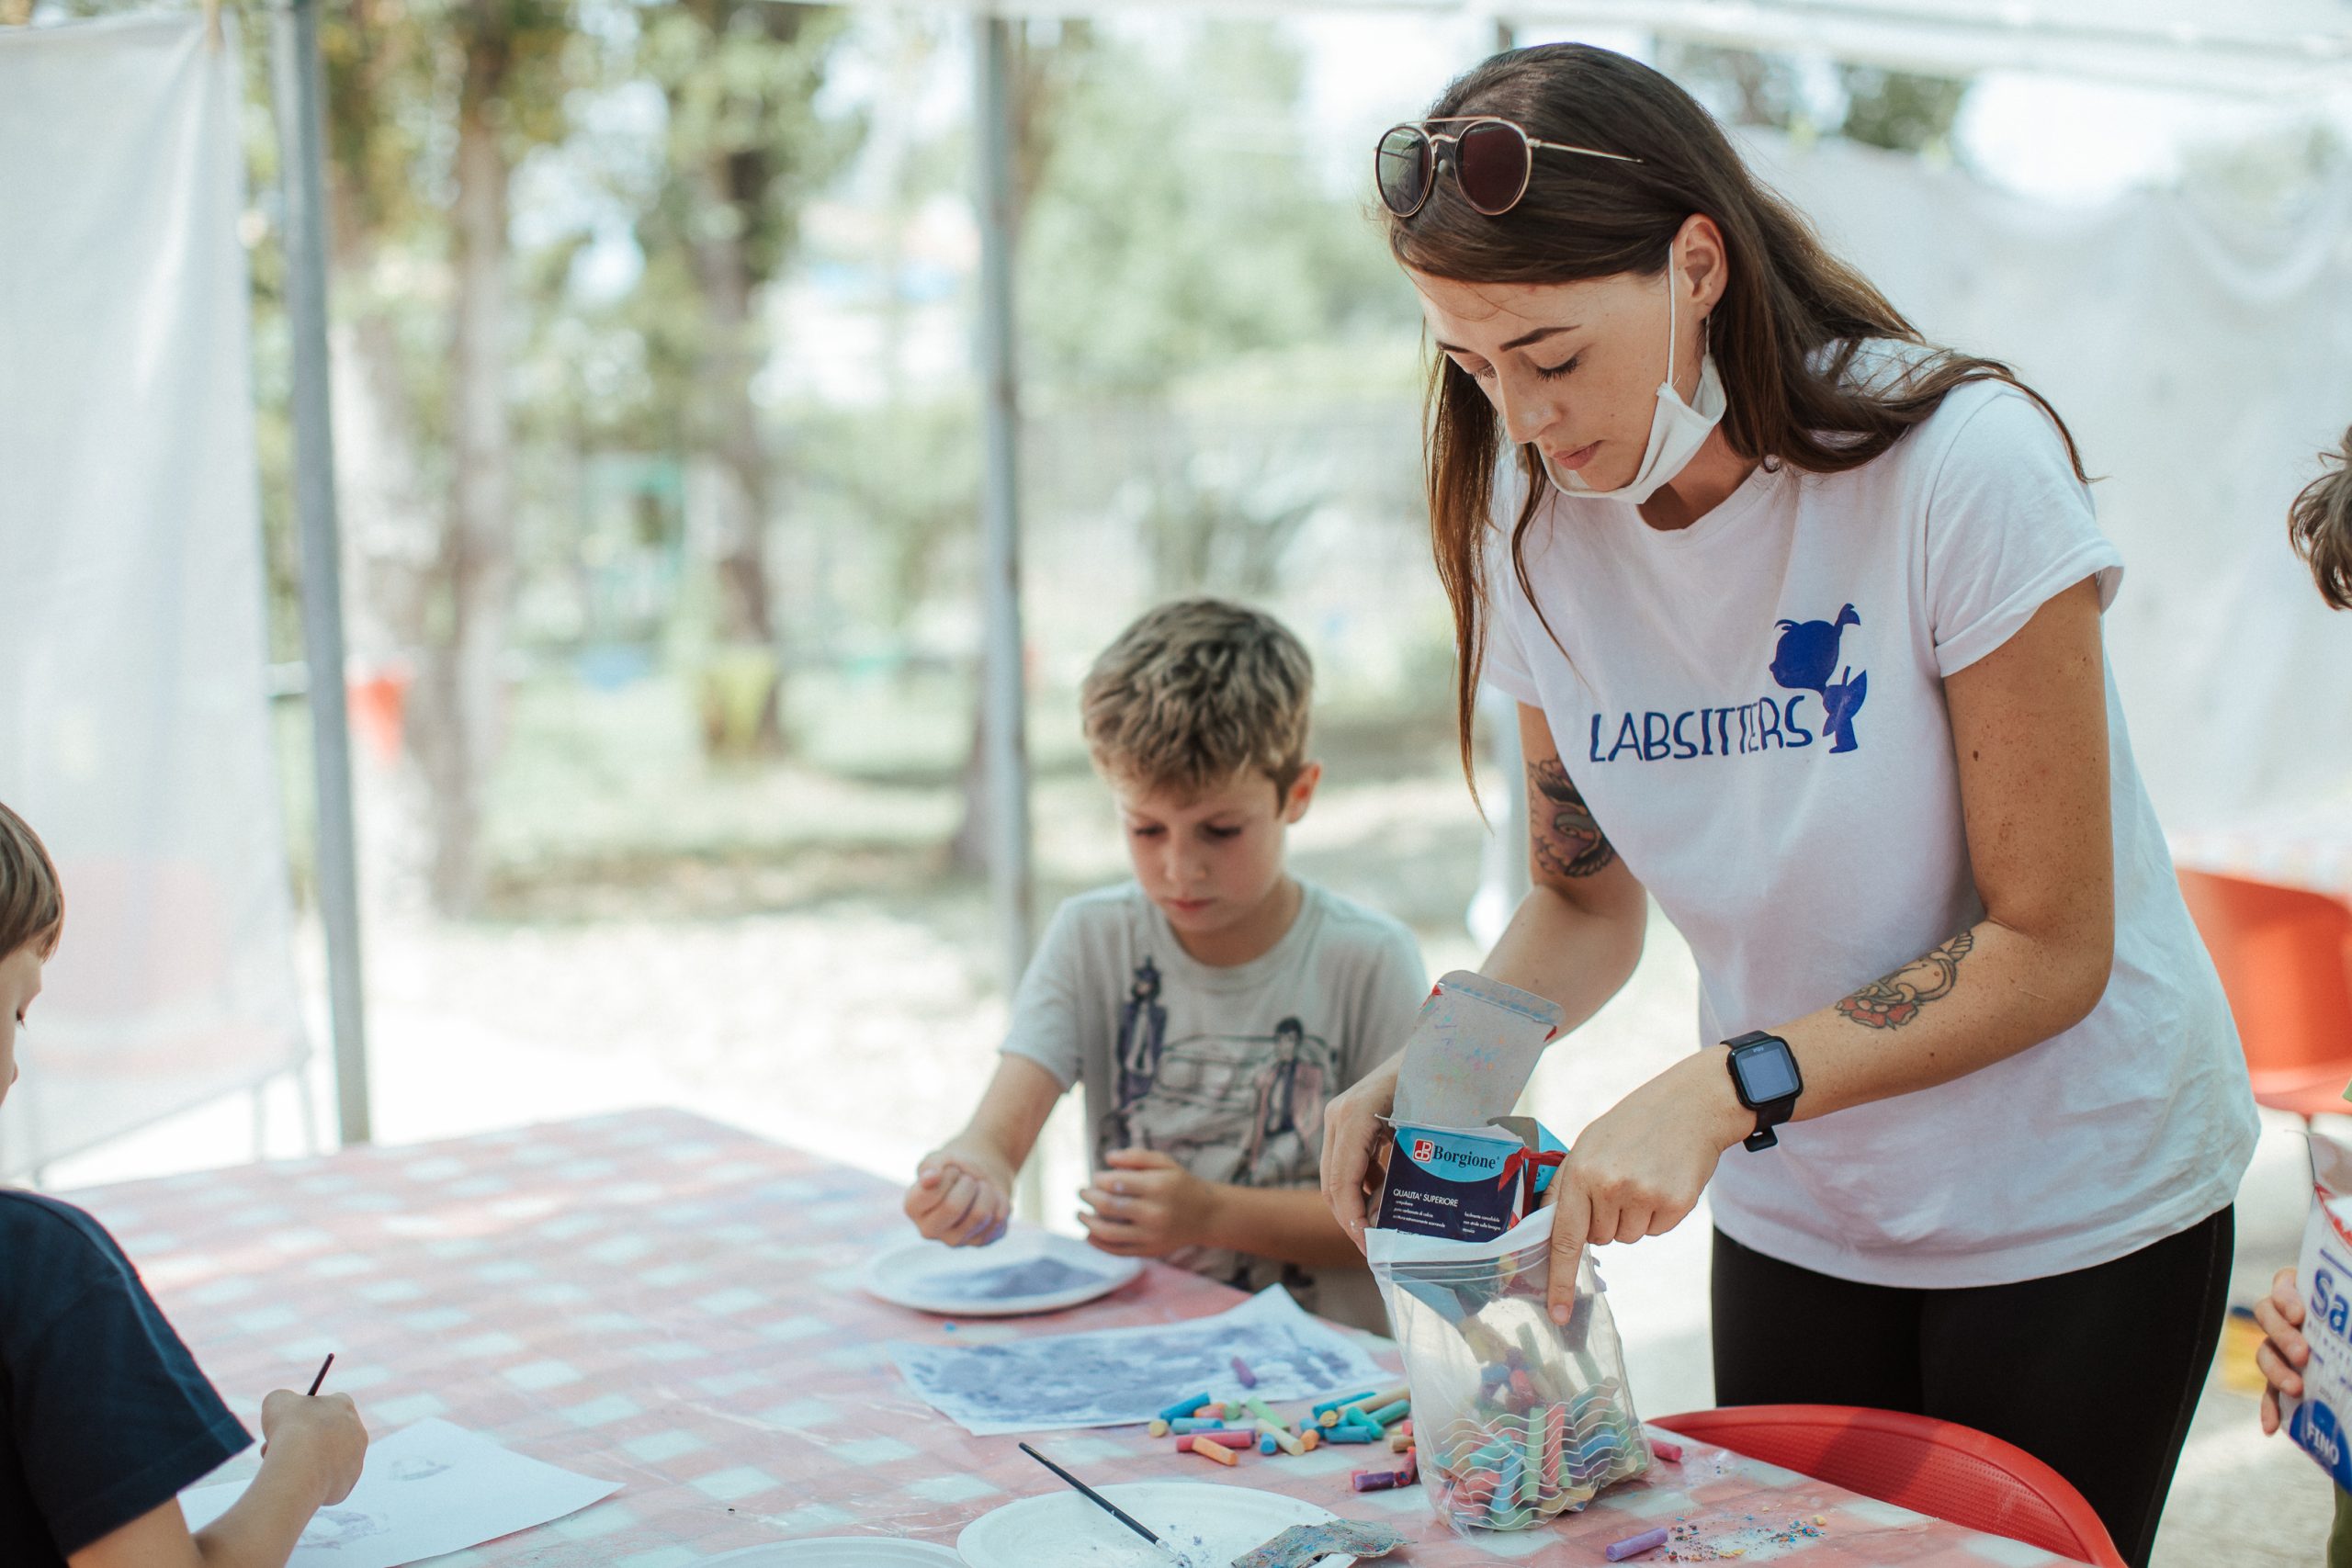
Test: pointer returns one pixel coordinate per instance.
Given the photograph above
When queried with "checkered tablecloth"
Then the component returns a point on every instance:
(658, 1299)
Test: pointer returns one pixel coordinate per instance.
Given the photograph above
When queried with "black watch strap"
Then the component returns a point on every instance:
(1781, 1068)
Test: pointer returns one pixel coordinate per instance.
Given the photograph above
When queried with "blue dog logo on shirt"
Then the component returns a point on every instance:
(1807, 654)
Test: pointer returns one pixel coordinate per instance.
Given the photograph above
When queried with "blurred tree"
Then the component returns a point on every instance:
(747, 150)
(1172, 223)
(1901, 110)
(430, 104)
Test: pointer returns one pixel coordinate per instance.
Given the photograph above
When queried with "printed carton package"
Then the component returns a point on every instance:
(1516, 1420)
(2316, 1421)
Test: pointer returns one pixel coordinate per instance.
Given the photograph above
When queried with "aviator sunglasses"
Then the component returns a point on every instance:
(1492, 159)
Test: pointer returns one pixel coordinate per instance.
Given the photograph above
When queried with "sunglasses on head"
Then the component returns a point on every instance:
(1491, 158)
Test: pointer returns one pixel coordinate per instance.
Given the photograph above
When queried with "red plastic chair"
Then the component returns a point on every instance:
(2285, 957)
(1953, 1472)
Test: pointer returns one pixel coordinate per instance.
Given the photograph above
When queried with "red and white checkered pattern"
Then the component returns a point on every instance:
(663, 1300)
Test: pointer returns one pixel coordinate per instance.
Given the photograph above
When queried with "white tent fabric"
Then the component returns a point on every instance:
(2201, 373)
(2269, 47)
(134, 728)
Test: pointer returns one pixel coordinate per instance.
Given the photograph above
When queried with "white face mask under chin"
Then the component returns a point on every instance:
(1677, 430)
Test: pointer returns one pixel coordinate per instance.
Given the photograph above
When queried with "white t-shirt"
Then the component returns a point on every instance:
(1753, 709)
(1226, 1069)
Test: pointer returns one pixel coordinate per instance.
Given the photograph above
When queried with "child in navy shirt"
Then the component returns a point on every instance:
(103, 1416)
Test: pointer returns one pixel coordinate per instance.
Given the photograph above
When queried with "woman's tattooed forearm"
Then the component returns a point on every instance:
(1568, 842)
(1894, 1002)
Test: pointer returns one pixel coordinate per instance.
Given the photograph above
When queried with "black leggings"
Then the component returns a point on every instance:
(2095, 1373)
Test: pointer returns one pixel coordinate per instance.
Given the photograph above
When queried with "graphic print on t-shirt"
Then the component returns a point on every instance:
(1245, 1109)
(1805, 660)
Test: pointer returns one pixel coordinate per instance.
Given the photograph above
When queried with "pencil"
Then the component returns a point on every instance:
(323, 1374)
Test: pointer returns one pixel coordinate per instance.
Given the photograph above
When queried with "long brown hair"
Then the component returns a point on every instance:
(1784, 335)
(2320, 523)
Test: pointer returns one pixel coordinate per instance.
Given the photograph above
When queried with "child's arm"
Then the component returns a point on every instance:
(1147, 1205)
(963, 1189)
(312, 1451)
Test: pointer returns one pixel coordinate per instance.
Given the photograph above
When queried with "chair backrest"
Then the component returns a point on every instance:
(2285, 957)
(1940, 1468)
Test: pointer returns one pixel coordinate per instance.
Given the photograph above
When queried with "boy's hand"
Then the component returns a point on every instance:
(962, 1195)
(1147, 1205)
(2284, 1352)
(321, 1434)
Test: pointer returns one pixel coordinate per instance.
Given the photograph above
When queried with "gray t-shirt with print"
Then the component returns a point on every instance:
(1224, 1069)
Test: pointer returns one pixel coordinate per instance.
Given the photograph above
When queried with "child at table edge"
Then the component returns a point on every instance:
(103, 1416)
(2320, 523)
(1212, 1006)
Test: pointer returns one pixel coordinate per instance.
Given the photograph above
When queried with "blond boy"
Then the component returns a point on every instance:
(1211, 1006)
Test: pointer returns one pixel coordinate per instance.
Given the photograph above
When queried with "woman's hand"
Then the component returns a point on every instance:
(2284, 1352)
(1352, 1136)
(1639, 1168)
(1146, 1205)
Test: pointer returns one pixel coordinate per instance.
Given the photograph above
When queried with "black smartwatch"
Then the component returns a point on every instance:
(1764, 1074)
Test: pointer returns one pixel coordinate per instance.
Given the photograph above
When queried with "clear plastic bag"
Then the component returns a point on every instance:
(1516, 1419)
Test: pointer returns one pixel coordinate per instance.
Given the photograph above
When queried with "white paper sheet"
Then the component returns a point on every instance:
(1114, 1376)
(429, 1489)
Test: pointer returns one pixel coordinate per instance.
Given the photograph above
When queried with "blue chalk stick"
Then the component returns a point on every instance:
(1183, 1406)
(1336, 1404)
(1266, 1444)
(1191, 1424)
(1346, 1432)
(1388, 1414)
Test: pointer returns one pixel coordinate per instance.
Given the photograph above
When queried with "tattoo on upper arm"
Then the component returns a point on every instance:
(1568, 842)
(1894, 1002)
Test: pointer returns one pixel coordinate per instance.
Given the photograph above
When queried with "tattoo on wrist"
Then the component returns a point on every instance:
(1568, 842)
(1896, 1000)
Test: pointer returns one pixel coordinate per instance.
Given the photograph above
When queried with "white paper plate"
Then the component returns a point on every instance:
(1210, 1525)
(842, 1551)
(1028, 1271)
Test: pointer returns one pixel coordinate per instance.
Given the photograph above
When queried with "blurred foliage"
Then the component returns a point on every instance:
(1903, 111)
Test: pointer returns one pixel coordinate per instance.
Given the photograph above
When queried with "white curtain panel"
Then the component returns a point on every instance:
(134, 728)
(2201, 370)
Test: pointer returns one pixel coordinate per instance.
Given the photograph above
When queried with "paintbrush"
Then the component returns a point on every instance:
(1105, 1503)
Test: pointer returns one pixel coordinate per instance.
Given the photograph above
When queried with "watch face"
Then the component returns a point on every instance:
(1767, 1072)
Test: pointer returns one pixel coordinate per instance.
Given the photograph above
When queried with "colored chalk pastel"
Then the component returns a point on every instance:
(1634, 1545)
(1332, 1404)
(1262, 1411)
(1670, 1453)
(1216, 1451)
(1372, 1429)
(1187, 1406)
(1266, 1443)
(1158, 1428)
(1347, 1433)
(1241, 1369)
(1282, 1437)
(1213, 1411)
(1194, 1424)
(1328, 1418)
(1397, 1441)
(1373, 1479)
(1391, 1411)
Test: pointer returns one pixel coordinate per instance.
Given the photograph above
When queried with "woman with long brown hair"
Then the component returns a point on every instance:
(1802, 613)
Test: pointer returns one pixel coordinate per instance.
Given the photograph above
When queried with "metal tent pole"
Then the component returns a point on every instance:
(298, 92)
(1004, 710)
